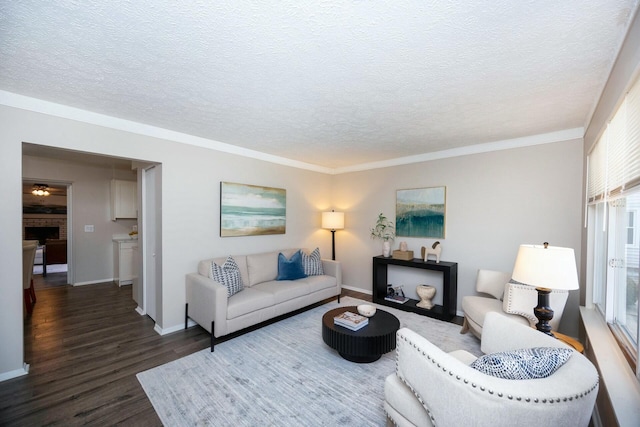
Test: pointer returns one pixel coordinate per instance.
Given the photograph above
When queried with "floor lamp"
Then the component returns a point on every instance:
(333, 221)
(546, 268)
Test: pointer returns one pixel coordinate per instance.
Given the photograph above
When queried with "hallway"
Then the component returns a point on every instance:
(85, 344)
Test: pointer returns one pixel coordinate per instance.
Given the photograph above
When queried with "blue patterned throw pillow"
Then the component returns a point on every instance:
(228, 274)
(312, 263)
(290, 269)
(523, 364)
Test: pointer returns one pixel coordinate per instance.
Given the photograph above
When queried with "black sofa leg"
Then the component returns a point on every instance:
(213, 337)
(186, 315)
(338, 298)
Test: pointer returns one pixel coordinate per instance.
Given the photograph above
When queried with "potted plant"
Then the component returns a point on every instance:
(385, 231)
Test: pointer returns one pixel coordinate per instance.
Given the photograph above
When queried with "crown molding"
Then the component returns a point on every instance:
(507, 144)
(63, 111)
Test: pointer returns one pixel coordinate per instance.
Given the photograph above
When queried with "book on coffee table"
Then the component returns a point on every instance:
(351, 321)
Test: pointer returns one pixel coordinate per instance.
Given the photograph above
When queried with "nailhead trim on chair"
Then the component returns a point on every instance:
(473, 385)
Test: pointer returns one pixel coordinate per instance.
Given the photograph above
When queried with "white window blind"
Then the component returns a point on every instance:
(633, 136)
(614, 162)
(616, 151)
(597, 171)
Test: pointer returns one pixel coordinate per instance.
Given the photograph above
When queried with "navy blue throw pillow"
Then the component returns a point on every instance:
(290, 269)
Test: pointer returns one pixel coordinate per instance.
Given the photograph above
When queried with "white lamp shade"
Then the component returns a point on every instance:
(333, 220)
(552, 267)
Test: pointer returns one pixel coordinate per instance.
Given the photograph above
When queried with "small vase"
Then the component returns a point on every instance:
(426, 294)
(386, 249)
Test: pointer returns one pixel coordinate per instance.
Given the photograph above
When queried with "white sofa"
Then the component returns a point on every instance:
(262, 298)
(431, 387)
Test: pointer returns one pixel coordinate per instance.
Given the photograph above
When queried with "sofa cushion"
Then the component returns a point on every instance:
(523, 364)
(262, 267)
(286, 290)
(475, 309)
(290, 269)
(228, 274)
(283, 290)
(248, 301)
(312, 263)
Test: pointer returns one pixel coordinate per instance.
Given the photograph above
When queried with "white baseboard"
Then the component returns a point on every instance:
(15, 373)
(92, 282)
(172, 329)
(140, 311)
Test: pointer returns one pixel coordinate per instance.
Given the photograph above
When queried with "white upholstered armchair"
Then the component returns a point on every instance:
(512, 300)
(431, 387)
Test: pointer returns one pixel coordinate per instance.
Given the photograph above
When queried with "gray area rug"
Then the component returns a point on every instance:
(284, 375)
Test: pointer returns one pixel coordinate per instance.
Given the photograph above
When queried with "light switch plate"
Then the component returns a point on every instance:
(88, 228)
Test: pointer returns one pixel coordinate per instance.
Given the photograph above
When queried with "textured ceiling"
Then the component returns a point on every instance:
(330, 83)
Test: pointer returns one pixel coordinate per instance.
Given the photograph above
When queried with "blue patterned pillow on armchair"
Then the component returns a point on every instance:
(523, 364)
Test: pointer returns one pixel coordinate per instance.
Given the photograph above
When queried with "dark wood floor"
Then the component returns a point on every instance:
(85, 346)
(51, 280)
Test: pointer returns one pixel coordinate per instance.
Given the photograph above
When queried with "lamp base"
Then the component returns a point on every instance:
(333, 245)
(543, 312)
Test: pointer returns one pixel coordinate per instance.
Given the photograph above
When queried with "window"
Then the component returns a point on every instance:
(616, 268)
(613, 196)
(631, 227)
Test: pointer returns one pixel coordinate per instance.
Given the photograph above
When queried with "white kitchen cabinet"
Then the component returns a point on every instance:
(124, 199)
(124, 256)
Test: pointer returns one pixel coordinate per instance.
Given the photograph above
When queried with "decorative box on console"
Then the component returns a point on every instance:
(405, 255)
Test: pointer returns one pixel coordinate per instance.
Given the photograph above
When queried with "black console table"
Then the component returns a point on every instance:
(446, 311)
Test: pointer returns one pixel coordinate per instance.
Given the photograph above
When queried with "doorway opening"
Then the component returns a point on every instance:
(45, 219)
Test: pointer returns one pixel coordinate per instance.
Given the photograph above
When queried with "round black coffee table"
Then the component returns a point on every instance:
(365, 345)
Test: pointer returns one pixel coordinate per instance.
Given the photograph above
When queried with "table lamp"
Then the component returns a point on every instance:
(333, 221)
(546, 268)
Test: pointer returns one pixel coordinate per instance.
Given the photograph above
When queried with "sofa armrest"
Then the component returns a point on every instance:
(498, 335)
(207, 301)
(333, 268)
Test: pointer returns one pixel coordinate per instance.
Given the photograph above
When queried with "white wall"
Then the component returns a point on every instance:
(495, 202)
(190, 208)
(11, 304)
(92, 252)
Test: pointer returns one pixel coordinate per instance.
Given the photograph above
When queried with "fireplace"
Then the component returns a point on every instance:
(41, 234)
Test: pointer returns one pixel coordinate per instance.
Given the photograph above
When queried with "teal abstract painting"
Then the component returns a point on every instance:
(420, 212)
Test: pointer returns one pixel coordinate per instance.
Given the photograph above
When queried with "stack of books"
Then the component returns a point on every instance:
(351, 321)
(396, 298)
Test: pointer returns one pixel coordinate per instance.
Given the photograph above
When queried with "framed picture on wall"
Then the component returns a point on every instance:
(420, 212)
(252, 210)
